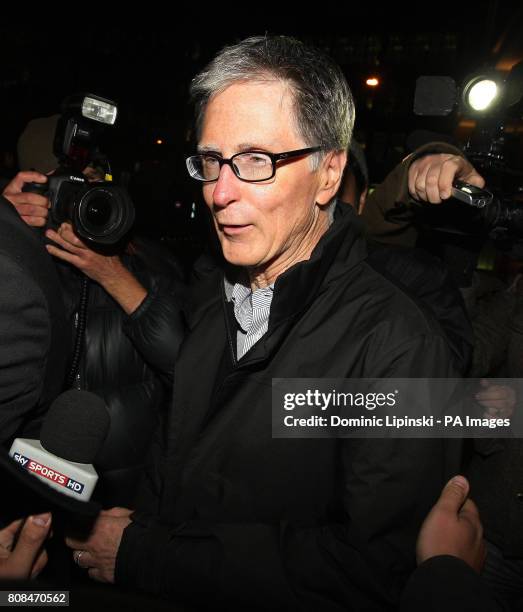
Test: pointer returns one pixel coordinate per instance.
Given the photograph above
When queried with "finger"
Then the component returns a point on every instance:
(491, 399)
(450, 170)
(40, 563)
(496, 403)
(474, 178)
(85, 560)
(12, 529)
(65, 244)
(494, 407)
(67, 233)
(8, 535)
(34, 221)
(412, 176)
(470, 511)
(495, 389)
(30, 541)
(453, 495)
(95, 574)
(420, 185)
(27, 176)
(117, 511)
(76, 543)
(64, 256)
(432, 184)
(32, 210)
(36, 199)
(500, 397)
(501, 408)
(494, 394)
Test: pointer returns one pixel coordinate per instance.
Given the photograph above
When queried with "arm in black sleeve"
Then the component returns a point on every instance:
(387, 212)
(493, 329)
(24, 346)
(447, 584)
(425, 278)
(156, 328)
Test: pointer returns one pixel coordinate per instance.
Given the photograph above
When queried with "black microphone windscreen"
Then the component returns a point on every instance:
(75, 426)
(435, 96)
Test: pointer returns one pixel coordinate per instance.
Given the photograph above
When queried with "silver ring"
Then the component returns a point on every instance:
(77, 556)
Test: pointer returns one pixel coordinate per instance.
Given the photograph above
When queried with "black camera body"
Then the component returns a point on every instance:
(101, 212)
(495, 147)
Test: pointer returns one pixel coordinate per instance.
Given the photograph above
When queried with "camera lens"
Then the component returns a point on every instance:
(98, 211)
(103, 214)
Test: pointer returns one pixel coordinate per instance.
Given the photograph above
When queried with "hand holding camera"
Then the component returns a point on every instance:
(431, 178)
(71, 248)
(100, 212)
(33, 207)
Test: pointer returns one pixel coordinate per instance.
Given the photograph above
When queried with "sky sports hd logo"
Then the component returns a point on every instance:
(45, 472)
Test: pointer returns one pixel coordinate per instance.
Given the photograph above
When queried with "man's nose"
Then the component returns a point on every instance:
(227, 187)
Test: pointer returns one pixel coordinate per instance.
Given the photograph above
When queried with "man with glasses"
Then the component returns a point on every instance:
(237, 518)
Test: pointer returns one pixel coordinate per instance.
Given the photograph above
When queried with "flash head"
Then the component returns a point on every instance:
(81, 128)
(99, 109)
(91, 106)
(481, 93)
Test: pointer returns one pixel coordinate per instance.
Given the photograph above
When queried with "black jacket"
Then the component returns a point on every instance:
(112, 367)
(447, 584)
(33, 342)
(245, 520)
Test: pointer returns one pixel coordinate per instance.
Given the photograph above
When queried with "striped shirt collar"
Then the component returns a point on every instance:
(251, 310)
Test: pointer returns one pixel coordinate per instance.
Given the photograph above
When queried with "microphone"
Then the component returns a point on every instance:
(435, 96)
(72, 433)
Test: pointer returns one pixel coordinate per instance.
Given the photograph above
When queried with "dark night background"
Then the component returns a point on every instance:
(147, 67)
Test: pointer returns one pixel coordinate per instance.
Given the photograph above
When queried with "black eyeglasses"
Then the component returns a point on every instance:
(249, 166)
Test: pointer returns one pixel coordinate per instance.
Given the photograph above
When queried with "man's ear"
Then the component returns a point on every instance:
(331, 171)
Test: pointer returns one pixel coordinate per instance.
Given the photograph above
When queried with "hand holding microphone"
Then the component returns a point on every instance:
(72, 433)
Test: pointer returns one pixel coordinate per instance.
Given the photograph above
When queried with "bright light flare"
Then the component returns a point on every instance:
(482, 94)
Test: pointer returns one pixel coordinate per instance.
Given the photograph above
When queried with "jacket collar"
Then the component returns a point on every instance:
(339, 249)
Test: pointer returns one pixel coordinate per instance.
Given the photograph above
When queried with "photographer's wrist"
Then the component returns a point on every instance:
(124, 288)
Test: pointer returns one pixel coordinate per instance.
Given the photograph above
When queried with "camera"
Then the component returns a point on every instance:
(101, 213)
(494, 106)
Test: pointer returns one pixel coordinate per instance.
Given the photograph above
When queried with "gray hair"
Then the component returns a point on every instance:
(323, 104)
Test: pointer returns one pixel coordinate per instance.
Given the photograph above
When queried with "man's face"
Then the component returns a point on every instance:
(265, 226)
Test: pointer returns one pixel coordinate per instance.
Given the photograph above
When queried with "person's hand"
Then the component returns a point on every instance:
(101, 268)
(98, 552)
(498, 401)
(26, 558)
(117, 511)
(430, 177)
(453, 527)
(33, 208)
(108, 270)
